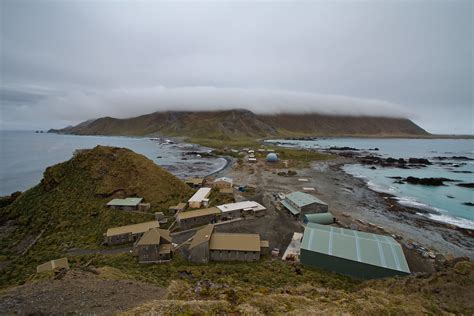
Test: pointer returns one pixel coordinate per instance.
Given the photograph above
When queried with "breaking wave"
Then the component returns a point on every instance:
(433, 213)
(459, 222)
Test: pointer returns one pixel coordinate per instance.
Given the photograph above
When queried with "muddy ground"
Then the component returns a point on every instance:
(349, 199)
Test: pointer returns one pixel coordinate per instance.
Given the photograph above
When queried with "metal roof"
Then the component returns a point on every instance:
(241, 206)
(194, 180)
(180, 206)
(53, 264)
(290, 207)
(372, 249)
(302, 199)
(226, 190)
(319, 218)
(153, 237)
(197, 213)
(133, 229)
(239, 242)
(125, 202)
(202, 235)
(200, 195)
(225, 179)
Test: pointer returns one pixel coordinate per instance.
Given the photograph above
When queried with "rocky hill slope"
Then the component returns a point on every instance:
(67, 209)
(243, 123)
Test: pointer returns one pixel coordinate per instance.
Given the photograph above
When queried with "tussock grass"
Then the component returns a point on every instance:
(69, 205)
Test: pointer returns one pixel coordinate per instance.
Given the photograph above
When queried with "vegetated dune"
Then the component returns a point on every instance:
(243, 123)
(68, 206)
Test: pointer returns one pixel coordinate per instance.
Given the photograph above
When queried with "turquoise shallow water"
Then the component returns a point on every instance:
(445, 202)
(25, 155)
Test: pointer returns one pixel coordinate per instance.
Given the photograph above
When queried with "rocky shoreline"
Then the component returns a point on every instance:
(413, 222)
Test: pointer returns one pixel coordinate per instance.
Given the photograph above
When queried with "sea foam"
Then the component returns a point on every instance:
(456, 221)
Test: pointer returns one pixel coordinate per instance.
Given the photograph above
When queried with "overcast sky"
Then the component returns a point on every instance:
(63, 62)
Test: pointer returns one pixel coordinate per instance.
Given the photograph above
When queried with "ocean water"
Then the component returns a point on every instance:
(445, 203)
(24, 155)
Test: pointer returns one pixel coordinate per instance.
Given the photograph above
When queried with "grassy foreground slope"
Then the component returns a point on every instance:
(236, 124)
(266, 287)
(67, 209)
(316, 292)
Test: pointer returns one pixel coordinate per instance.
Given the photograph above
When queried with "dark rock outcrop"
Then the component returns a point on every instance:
(421, 161)
(427, 181)
(343, 148)
(453, 158)
(394, 162)
(466, 185)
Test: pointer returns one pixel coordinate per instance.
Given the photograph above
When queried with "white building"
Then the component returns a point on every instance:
(200, 198)
(236, 210)
(222, 183)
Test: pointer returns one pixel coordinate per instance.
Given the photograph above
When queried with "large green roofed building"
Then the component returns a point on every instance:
(350, 252)
(298, 203)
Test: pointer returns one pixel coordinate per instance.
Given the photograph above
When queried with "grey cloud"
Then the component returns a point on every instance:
(116, 58)
(132, 102)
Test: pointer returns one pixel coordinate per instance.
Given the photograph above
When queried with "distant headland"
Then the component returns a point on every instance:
(246, 124)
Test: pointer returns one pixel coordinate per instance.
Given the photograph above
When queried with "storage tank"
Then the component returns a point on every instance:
(319, 218)
(272, 157)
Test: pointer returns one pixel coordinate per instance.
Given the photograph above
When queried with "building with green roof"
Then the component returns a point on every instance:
(127, 204)
(298, 203)
(357, 254)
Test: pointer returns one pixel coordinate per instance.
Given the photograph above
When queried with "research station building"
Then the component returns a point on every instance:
(357, 254)
(127, 204)
(194, 218)
(239, 209)
(209, 245)
(61, 263)
(200, 198)
(177, 208)
(195, 183)
(199, 247)
(154, 246)
(223, 183)
(234, 247)
(298, 203)
(128, 233)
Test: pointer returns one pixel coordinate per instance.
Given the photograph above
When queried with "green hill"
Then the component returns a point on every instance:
(68, 206)
(234, 124)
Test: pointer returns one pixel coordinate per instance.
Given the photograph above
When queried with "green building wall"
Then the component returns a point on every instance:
(347, 267)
